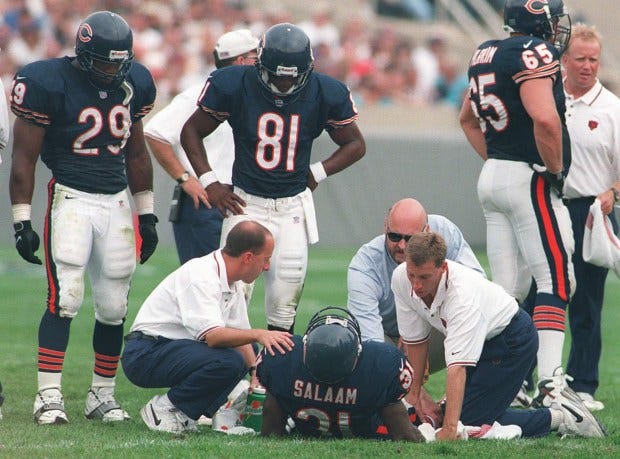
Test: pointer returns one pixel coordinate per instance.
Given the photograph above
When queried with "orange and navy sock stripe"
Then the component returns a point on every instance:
(549, 318)
(106, 365)
(50, 361)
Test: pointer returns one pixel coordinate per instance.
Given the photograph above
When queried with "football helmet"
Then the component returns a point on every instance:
(284, 51)
(332, 345)
(103, 47)
(545, 19)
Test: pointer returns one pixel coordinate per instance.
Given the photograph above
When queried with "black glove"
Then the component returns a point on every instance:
(27, 241)
(148, 233)
(555, 180)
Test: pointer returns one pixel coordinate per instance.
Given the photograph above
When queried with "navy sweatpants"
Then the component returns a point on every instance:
(494, 382)
(199, 377)
(586, 305)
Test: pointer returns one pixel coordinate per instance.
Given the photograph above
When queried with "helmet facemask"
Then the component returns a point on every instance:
(284, 53)
(103, 47)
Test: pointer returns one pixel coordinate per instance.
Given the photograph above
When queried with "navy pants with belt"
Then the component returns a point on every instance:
(586, 305)
(199, 377)
(494, 382)
(197, 231)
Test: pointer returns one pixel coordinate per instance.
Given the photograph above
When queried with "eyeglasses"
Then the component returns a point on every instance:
(396, 237)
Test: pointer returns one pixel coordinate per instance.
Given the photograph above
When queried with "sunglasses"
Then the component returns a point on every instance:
(396, 237)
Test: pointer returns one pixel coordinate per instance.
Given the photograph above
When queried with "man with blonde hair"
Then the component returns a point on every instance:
(593, 121)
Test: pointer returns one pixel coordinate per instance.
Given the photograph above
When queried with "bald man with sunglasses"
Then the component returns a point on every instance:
(370, 297)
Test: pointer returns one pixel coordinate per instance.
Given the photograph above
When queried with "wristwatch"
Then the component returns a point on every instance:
(616, 194)
(183, 178)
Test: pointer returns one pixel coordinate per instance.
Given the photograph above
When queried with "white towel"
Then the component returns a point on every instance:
(601, 247)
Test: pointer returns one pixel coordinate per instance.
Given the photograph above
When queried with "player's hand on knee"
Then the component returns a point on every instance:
(148, 233)
(27, 241)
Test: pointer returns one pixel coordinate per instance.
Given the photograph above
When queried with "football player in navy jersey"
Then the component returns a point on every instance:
(514, 119)
(83, 116)
(331, 384)
(276, 110)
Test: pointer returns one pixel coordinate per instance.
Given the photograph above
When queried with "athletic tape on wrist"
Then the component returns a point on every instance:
(144, 202)
(318, 171)
(207, 179)
(21, 212)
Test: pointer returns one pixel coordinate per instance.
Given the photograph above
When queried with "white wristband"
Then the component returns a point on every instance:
(318, 171)
(144, 202)
(208, 178)
(21, 212)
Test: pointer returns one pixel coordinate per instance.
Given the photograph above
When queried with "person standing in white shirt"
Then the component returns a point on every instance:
(490, 344)
(593, 121)
(196, 225)
(192, 334)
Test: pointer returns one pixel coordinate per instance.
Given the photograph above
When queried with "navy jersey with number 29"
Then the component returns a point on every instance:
(349, 408)
(86, 128)
(273, 137)
(496, 72)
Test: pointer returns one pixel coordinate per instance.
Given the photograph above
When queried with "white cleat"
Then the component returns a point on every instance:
(577, 419)
(590, 403)
(550, 388)
(49, 407)
(494, 432)
(161, 415)
(522, 400)
(101, 404)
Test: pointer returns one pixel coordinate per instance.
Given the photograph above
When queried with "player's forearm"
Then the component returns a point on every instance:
(548, 136)
(471, 128)
(192, 136)
(21, 181)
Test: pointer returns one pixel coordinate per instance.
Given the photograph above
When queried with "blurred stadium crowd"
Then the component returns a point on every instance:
(175, 39)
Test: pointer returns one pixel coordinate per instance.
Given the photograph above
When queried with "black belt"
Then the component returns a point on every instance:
(140, 335)
(584, 199)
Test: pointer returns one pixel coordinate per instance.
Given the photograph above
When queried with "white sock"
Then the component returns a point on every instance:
(48, 380)
(550, 345)
(100, 381)
(557, 417)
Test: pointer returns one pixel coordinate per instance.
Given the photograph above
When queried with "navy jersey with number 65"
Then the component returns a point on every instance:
(496, 72)
(349, 408)
(273, 137)
(86, 128)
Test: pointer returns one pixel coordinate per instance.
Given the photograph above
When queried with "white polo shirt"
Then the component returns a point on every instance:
(166, 126)
(193, 300)
(593, 122)
(468, 309)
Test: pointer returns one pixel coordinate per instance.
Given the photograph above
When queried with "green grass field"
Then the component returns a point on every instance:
(23, 290)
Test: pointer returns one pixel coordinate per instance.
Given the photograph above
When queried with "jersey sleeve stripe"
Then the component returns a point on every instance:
(220, 116)
(539, 72)
(341, 123)
(36, 117)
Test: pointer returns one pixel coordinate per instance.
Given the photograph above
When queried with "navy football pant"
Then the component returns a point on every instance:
(584, 311)
(197, 233)
(199, 377)
(494, 382)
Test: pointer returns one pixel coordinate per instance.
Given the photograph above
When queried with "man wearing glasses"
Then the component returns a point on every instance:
(197, 227)
(369, 279)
